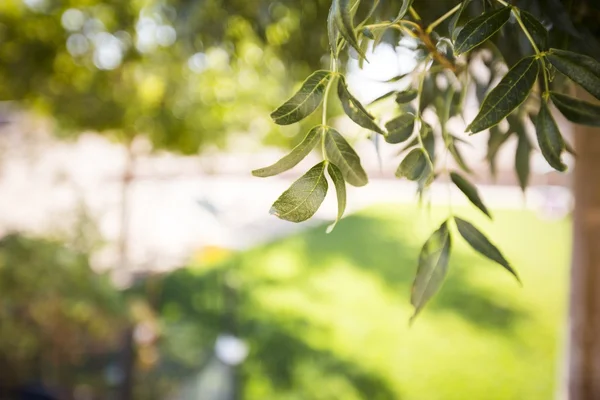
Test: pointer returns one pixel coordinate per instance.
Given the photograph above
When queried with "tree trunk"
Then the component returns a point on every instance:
(584, 313)
(127, 366)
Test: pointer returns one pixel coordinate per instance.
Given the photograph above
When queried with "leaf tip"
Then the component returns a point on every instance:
(519, 281)
(330, 228)
(412, 319)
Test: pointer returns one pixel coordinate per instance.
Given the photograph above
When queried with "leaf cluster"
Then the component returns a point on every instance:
(445, 50)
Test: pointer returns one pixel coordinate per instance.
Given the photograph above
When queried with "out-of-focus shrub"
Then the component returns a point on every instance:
(59, 317)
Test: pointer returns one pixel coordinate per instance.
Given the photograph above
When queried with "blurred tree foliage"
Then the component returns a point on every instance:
(56, 313)
(187, 73)
(182, 73)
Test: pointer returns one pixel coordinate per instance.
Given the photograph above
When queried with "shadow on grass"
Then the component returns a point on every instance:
(369, 244)
(196, 308)
(202, 304)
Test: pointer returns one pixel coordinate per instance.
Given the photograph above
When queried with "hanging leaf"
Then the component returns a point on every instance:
(376, 139)
(429, 92)
(510, 93)
(383, 97)
(432, 268)
(374, 5)
(428, 139)
(455, 18)
(457, 101)
(340, 190)
(294, 157)
(406, 4)
(414, 166)
(379, 35)
(495, 142)
(412, 143)
(355, 110)
(305, 101)
(396, 78)
(538, 32)
(457, 155)
(480, 243)
(581, 69)
(470, 191)
(332, 30)
(575, 110)
(558, 13)
(302, 200)
(344, 157)
(406, 96)
(343, 21)
(400, 128)
(522, 159)
(480, 29)
(549, 138)
(364, 46)
(443, 104)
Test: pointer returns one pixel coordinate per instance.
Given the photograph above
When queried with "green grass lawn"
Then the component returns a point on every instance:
(347, 294)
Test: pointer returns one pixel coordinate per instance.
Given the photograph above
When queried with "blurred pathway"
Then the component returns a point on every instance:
(177, 208)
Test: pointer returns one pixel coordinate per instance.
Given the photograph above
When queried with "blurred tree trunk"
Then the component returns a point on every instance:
(584, 313)
(128, 355)
(125, 212)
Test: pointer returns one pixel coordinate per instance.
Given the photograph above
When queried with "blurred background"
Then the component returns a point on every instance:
(138, 259)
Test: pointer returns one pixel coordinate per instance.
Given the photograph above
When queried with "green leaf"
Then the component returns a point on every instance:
(396, 78)
(345, 158)
(556, 11)
(549, 138)
(343, 20)
(581, 69)
(443, 106)
(294, 157)
(510, 93)
(470, 191)
(538, 32)
(457, 101)
(364, 46)
(305, 101)
(368, 33)
(415, 166)
(400, 128)
(522, 158)
(355, 110)
(429, 92)
(406, 4)
(383, 97)
(495, 142)
(428, 139)
(457, 155)
(409, 145)
(480, 243)
(333, 32)
(374, 5)
(340, 189)
(432, 269)
(455, 18)
(480, 29)
(575, 110)
(302, 200)
(445, 47)
(376, 139)
(406, 96)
